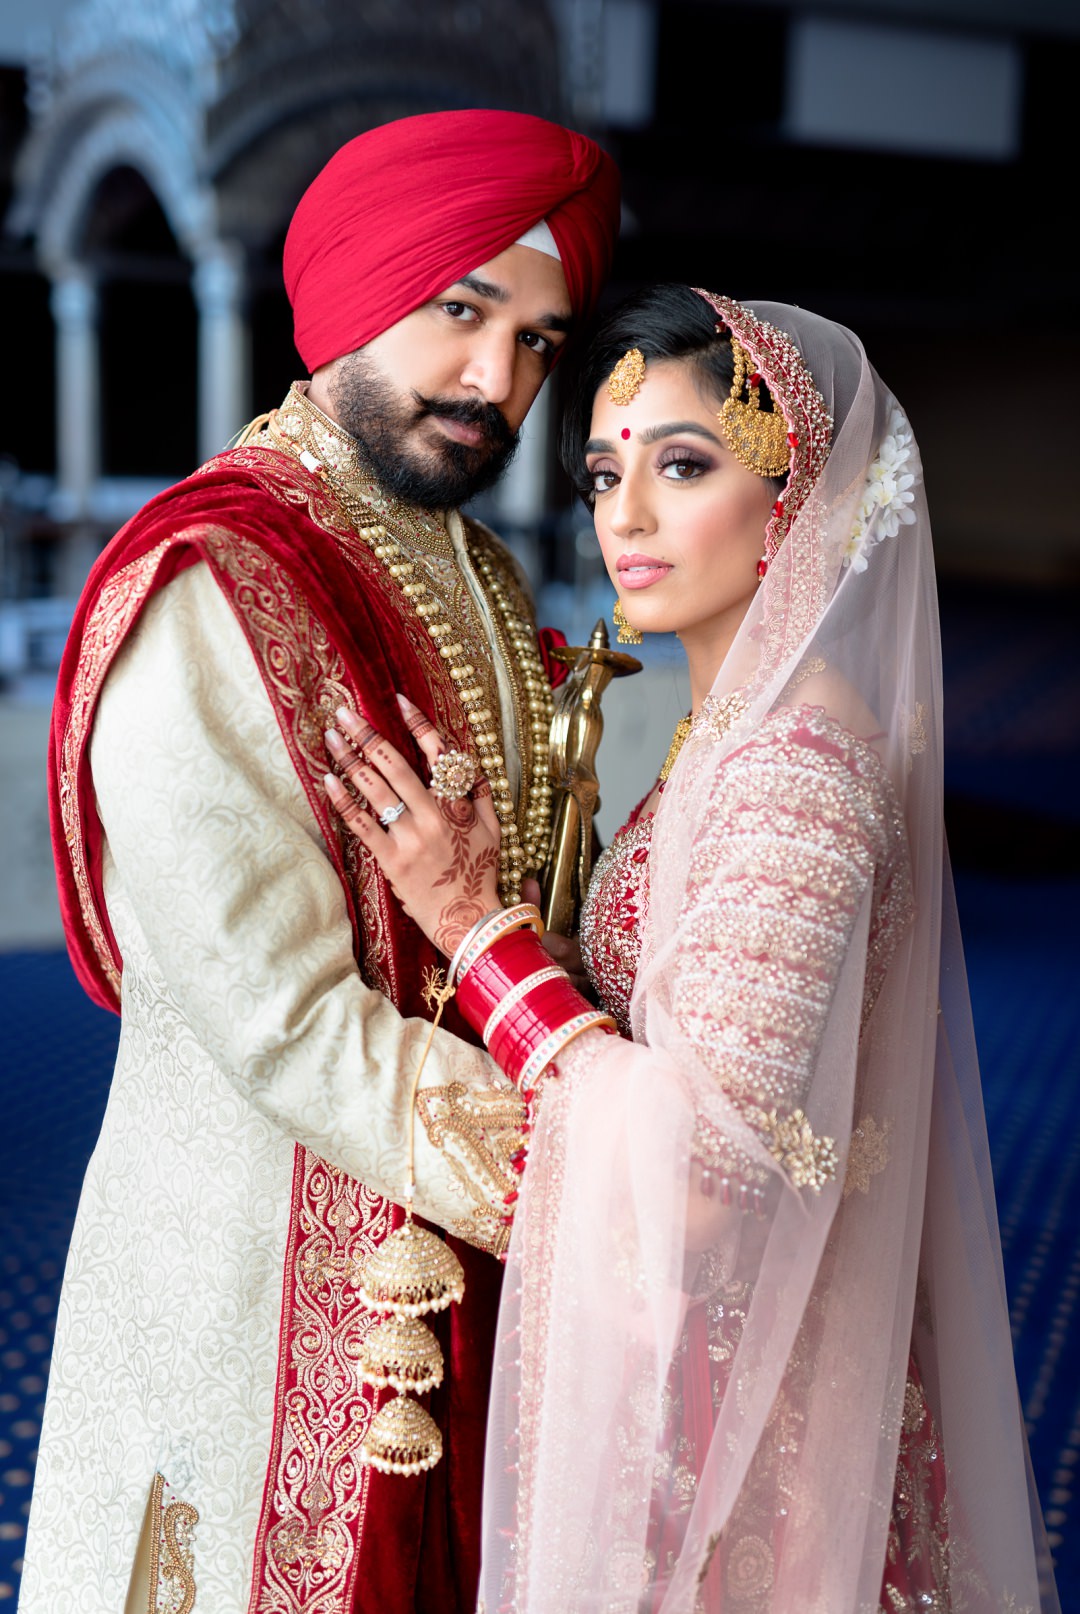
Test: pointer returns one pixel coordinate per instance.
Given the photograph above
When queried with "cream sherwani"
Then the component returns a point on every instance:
(246, 1027)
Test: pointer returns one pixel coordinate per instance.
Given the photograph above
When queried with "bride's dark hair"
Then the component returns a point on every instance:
(663, 322)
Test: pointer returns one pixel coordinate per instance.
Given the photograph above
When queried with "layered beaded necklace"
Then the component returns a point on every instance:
(398, 535)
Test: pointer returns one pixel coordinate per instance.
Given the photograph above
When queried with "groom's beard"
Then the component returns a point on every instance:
(419, 466)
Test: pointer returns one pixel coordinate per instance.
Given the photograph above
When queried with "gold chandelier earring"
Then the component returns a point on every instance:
(626, 634)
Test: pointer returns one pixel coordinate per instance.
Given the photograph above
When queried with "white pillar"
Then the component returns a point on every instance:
(224, 347)
(520, 494)
(78, 390)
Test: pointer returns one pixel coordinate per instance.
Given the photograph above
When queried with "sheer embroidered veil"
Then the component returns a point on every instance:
(841, 1264)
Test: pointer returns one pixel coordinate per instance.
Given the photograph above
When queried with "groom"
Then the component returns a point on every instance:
(204, 1418)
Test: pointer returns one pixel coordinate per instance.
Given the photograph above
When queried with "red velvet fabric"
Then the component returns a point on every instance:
(552, 639)
(420, 1542)
(401, 212)
(361, 623)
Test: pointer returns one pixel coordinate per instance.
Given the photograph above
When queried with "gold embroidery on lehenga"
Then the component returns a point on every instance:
(868, 1154)
(172, 1553)
(918, 1567)
(612, 915)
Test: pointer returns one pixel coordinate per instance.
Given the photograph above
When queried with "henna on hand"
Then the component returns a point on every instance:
(457, 812)
(440, 856)
(454, 921)
(419, 726)
(470, 875)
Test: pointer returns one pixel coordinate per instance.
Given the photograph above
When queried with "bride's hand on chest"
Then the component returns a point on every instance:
(438, 844)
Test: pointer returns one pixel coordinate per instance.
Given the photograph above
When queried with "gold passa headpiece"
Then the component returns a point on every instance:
(758, 438)
(795, 399)
(625, 380)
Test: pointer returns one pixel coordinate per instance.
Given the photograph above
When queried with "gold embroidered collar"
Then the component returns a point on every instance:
(301, 429)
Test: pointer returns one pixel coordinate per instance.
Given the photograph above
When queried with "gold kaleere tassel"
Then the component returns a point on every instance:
(404, 1354)
(412, 1272)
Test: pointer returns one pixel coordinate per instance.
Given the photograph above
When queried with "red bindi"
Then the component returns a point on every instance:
(625, 433)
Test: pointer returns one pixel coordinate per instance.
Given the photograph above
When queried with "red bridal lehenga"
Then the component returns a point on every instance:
(916, 1571)
(753, 1353)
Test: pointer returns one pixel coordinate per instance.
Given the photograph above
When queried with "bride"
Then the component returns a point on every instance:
(754, 1353)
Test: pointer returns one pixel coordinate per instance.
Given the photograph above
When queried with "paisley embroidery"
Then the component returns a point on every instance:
(172, 1553)
(316, 1491)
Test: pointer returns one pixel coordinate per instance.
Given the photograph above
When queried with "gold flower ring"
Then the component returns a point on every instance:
(453, 775)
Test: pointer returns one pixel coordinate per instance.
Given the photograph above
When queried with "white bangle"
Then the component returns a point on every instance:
(464, 942)
(554, 1043)
(487, 933)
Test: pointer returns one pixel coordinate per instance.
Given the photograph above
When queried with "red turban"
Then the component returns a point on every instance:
(405, 210)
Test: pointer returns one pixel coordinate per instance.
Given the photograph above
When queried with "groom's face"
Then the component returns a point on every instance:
(437, 400)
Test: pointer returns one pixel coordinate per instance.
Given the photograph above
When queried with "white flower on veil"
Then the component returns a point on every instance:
(887, 498)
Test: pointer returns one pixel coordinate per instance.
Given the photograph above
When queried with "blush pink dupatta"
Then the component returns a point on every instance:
(801, 922)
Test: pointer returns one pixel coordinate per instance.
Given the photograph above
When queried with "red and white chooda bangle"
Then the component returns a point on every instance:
(524, 1007)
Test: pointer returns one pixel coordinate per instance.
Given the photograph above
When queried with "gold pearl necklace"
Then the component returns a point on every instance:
(517, 857)
(334, 459)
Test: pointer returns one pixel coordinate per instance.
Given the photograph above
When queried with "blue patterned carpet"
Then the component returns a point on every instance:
(1014, 817)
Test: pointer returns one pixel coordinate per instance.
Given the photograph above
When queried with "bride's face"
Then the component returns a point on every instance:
(681, 523)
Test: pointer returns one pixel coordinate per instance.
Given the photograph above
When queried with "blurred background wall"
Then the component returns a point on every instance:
(899, 165)
(903, 166)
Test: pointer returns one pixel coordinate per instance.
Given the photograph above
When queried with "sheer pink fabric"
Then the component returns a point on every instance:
(795, 1138)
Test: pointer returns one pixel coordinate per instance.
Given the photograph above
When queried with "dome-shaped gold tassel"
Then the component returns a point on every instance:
(401, 1353)
(403, 1439)
(412, 1272)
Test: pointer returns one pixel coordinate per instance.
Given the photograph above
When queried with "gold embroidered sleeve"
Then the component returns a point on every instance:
(803, 829)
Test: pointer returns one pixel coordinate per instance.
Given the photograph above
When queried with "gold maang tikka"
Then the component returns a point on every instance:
(757, 438)
(625, 380)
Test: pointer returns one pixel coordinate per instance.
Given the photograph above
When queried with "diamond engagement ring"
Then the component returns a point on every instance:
(453, 775)
(391, 814)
